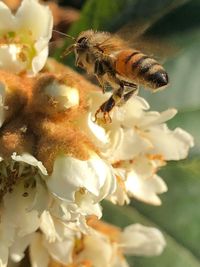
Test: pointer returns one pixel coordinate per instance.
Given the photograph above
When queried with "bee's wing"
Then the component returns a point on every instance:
(136, 35)
(113, 43)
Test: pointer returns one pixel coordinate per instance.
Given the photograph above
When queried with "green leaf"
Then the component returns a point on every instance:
(174, 255)
(110, 15)
(179, 214)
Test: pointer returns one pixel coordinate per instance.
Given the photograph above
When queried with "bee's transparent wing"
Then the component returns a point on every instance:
(139, 35)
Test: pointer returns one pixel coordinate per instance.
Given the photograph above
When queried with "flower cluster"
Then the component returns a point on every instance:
(57, 164)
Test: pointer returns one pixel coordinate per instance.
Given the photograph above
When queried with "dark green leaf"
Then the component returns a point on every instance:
(110, 15)
(174, 255)
(179, 215)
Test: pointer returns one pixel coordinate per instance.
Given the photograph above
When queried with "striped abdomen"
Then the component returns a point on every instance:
(141, 69)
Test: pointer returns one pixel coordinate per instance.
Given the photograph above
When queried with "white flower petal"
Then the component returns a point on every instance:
(66, 96)
(17, 250)
(27, 48)
(131, 112)
(3, 255)
(70, 174)
(26, 16)
(60, 251)
(47, 226)
(120, 195)
(39, 257)
(129, 145)
(87, 206)
(138, 240)
(173, 145)
(119, 262)
(99, 135)
(154, 118)
(9, 58)
(41, 199)
(39, 60)
(24, 220)
(145, 190)
(98, 250)
(29, 159)
(61, 210)
(7, 19)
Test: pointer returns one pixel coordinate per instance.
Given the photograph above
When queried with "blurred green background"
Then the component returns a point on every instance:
(175, 22)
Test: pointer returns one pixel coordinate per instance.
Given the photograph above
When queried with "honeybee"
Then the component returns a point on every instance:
(114, 63)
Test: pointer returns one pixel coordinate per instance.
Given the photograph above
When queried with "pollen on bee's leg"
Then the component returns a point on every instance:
(105, 108)
(107, 118)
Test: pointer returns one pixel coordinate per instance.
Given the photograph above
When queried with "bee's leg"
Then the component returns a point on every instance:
(132, 89)
(101, 82)
(100, 70)
(107, 106)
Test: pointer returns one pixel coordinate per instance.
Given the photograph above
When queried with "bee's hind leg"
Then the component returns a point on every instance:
(107, 106)
(102, 83)
(132, 89)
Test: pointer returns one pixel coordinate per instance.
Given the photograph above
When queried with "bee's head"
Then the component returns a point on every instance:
(83, 40)
(82, 43)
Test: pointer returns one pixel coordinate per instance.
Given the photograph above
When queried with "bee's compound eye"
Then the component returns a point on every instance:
(81, 40)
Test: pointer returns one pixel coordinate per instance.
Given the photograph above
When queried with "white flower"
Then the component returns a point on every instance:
(41, 250)
(81, 184)
(97, 249)
(38, 256)
(135, 130)
(66, 96)
(28, 193)
(55, 241)
(143, 183)
(137, 239)
(71, 193)
(137, 143)
(24, 37)
(7, 235)
(21, 202)
(138, 179)
(17, 250)
(32, 201)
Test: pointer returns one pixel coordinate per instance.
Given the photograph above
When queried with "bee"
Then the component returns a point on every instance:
(114, 63)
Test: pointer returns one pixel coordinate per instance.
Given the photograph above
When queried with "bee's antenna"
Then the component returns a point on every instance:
(64, 34)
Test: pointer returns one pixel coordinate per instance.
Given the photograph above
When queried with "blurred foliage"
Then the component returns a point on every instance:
(175, 254)
(176, 22)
